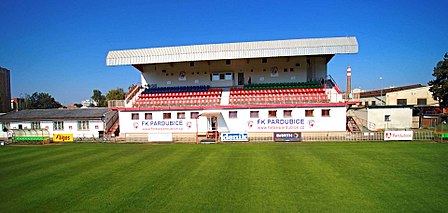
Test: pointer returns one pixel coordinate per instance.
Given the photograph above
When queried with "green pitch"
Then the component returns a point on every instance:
(305, 177)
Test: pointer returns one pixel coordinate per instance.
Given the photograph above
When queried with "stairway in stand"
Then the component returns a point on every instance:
(352, 126)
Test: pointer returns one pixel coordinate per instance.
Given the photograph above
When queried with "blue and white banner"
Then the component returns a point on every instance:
(227, 137)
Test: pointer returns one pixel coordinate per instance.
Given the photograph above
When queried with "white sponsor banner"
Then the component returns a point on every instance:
(160, 137)
(234, 137)
(398, 135)
(165, 125)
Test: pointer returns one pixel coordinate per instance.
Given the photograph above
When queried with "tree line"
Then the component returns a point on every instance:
(43, 100)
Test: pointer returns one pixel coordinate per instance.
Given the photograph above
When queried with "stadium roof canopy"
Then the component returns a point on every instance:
(240, 50)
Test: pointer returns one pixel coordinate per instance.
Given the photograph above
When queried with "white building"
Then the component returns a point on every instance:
(247, 87)
(90, 122)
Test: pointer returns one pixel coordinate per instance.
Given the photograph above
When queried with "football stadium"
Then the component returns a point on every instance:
(233, 91)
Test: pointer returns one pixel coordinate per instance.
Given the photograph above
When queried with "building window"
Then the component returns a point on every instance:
(35, 125)
(228, 61)
(166, 115)
(373, 103)
(233, 114)
(191, 64)
(134, 116)
(254, 114)
(181, 115)
(58, 125)
(421, 101)
(366, 103)
(291, 69)
(222, 76)
(83, 125)
(148, 116)
(309, 113)
(272, 114)
(402, 101)
(194, 115)
(325, 113)
(287, 113)
(264, 60)
(387, 118)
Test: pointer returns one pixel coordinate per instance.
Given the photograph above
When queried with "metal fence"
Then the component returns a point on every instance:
(306, 137)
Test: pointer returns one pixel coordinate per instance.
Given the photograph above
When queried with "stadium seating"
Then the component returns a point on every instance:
(279, 93)
(179, 96)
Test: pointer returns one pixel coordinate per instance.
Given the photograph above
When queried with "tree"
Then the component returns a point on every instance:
(99, 98)
(41, 100)
(439, 86)
(115, 94)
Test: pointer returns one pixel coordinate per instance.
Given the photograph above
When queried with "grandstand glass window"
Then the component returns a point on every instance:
(309, 113)
(421, 101)
(134, 116)
(148, 116)
(181, 115)
(402, 101)
(58, 125)
(325, 112)
(233, 114)
(35, 125)
(272, 113)
(167, 115)
(194, 115)
(287, 113)
(254, 114)
(83, 125)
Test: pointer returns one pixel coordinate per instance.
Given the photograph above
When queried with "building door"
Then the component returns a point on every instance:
(240, 78)
(212, 123)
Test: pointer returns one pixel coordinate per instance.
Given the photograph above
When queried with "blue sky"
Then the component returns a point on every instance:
(60, 47)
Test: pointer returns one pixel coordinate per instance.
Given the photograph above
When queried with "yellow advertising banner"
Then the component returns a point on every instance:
(62, 137)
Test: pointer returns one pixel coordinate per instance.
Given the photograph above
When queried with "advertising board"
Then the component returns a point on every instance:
(287, 136)
(398, 135)
(62, 137)
(160, 137)
(227, 137)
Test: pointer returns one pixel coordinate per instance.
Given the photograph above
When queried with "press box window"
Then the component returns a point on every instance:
(148, 116)
(166, 115)
(254, 114)
(309, 113)
(194, 115)
(272, 114)
(287, 113)
(325, 113)
(181, 115)
(222, 76)
(233, 114)
(83, 125)
(134, 116)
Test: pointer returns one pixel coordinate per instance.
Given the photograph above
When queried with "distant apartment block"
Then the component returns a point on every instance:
(5, 90)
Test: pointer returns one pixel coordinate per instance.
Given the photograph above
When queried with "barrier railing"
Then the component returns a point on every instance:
(306, 137)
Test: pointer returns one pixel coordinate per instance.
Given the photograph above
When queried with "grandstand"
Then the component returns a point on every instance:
(234, 88)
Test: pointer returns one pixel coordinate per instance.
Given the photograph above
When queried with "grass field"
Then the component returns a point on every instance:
(305, 177)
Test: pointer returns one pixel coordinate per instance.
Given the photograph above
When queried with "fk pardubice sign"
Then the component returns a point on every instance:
(398, 135)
